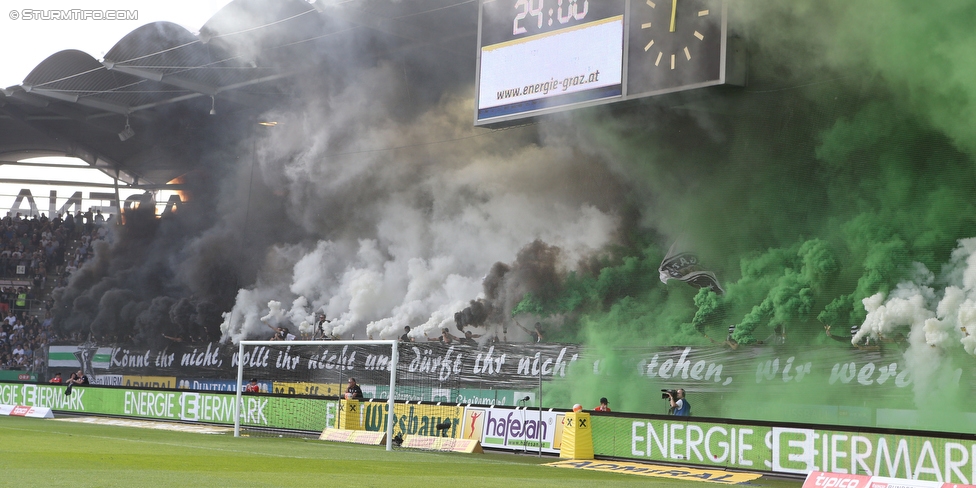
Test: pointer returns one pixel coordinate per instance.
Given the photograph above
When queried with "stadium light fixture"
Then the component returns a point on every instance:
(127, 132)
(318, 5)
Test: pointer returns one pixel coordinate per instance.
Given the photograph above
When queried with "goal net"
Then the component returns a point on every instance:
(299, 384)
(408, 388)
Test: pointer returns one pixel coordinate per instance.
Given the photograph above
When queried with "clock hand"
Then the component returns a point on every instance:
(674, 7)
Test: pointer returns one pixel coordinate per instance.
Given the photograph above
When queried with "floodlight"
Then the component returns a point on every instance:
(127, 132)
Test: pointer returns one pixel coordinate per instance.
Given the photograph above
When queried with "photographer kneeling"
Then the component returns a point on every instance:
(679, 406)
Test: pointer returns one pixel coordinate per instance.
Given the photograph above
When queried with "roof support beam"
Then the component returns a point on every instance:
(71, 147)
(121, 186)
(220, 90)
(181, 82)
(168, 79)
(88, 102)
(19, 93)
(4, 162)
(69, 112)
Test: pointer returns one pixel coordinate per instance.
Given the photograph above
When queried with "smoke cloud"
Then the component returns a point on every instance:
(408, 234)
(833, 190)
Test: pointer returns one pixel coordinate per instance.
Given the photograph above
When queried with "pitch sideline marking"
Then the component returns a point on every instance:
(239, 451)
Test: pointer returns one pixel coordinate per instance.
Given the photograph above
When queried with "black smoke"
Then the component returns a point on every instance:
(536, 270)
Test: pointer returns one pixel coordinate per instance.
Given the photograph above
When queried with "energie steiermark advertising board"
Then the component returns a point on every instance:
(793, 449)
(265, 411)
(786, 449)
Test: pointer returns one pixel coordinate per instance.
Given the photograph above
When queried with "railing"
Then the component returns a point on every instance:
(34, 306)
(37, 364)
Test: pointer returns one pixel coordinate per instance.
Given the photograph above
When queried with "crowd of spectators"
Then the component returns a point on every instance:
(35, 248)
(20, 336)
(38, 254)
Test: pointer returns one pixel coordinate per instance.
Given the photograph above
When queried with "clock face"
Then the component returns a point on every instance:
(674, 44)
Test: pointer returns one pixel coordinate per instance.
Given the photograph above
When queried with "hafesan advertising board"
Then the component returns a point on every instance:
(514, 429)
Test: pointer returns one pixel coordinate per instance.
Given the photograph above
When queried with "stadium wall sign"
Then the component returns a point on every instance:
(25, 203)
(520, 366)
(503, 366)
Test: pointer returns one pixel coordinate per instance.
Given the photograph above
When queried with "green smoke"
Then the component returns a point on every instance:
(845, 163)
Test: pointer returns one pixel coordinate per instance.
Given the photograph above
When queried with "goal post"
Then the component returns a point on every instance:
(316, 363)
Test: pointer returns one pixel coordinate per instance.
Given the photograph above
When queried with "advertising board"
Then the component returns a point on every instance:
(760, 447)
(258, 410)
(788, 450)
(514, 429)
(414, 419)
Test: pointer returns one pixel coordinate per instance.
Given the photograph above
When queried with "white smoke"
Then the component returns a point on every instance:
(244, 320)
(408, 234)
(934, 323)
(299, 314)
(956, 312)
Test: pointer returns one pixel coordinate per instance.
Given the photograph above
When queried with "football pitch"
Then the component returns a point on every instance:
(37, 452)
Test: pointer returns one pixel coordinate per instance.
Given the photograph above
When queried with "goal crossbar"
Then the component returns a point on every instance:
(393, 370)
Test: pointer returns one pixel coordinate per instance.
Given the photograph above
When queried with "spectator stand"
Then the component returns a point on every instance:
(37, 255)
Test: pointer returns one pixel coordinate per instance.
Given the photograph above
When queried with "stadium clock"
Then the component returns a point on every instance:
(675, 44)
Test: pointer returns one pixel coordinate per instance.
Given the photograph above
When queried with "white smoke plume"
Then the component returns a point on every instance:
(412, 216)
(934, 323)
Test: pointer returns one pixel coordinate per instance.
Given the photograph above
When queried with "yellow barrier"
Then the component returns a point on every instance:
(448, 444)
(349, 415)
(414, 419)
(354, 436)
(577, 441)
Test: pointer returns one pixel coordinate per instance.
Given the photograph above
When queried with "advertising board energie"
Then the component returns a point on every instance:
(786, 449)
(265, 411)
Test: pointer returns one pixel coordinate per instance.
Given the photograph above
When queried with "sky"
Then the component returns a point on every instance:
(31, 38)
(27, 24)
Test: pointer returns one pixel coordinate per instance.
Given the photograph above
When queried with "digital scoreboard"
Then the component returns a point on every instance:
(541, 56)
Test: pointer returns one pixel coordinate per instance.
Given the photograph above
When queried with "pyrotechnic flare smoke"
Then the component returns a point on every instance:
(811, 193)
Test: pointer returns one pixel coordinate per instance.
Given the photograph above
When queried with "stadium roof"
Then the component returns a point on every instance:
(163, 80)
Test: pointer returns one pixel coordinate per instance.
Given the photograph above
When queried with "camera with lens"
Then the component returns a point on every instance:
(666, 394)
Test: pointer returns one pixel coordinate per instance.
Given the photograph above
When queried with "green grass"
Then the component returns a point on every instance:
(36, 452)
